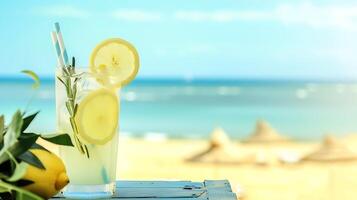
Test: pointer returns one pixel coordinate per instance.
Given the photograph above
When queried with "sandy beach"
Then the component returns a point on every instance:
(144, 159)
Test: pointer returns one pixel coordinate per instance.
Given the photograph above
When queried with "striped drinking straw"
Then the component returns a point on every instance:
(57, 48)
(61, 44)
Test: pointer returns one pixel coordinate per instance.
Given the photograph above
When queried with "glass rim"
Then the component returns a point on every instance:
(78, 70)
(85, 72)
(58, 67)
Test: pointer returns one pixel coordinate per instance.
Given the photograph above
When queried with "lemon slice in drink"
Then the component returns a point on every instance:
(97, 116)
(115, 62)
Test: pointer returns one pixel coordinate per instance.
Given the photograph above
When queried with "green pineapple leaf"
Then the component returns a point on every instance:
(19, 172)
(34, 77)
(31, 159)
(62, 139)
(27, 121)
(2, 127)
(20, 194)
(11, 137)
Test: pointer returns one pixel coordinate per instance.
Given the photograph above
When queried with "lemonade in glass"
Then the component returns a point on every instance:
(87, 108)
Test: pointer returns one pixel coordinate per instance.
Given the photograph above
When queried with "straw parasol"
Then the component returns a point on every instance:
(265, 133)
(220, 151)
(331, 150)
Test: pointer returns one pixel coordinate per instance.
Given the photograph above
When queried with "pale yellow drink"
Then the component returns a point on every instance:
(95, 172)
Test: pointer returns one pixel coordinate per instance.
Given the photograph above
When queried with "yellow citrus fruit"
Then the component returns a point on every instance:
(97, 116)
(114, 62)
(48, 181)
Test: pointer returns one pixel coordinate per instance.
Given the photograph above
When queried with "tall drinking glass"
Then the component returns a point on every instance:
(89, 113)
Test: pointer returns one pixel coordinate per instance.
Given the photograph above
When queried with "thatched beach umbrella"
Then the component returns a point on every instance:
(220, 151)
(331, 150)
(264, 133)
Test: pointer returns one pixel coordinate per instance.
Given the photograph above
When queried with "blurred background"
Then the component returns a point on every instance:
(275, 76)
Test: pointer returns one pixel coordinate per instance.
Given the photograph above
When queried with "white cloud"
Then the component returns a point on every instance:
(304, 14)
(219, 15)
(192, 49)
(62, 11)
(136, 15)
(315, 16)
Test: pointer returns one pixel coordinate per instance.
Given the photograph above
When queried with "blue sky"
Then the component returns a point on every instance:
(190, 38)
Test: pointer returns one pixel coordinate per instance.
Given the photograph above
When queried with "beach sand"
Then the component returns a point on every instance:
(141, 159)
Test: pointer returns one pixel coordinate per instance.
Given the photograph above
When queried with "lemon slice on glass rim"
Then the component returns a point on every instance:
(97, 116)
(114, 62)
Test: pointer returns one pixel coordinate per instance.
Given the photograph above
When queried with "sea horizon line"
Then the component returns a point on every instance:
(198, 80)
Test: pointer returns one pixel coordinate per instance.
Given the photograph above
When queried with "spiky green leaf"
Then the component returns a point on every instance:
(37, 146)
(31, 159)
(25, 142)
(27, 121)
(2, 127)
(19, 172)
(62, 139)
(34, 77)
(23, 182)
(14, 130)
(11, 136)
(20, 193)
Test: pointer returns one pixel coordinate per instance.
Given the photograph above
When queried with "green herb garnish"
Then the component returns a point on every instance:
(70, 80)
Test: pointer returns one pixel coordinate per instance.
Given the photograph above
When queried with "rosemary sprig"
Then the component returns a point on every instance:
(70, 81)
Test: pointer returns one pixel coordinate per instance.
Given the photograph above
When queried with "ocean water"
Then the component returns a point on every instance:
(176, 108)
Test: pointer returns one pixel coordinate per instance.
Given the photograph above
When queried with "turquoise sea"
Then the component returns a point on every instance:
(191, 109)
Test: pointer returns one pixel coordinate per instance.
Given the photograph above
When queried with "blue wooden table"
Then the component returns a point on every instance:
(173, 190)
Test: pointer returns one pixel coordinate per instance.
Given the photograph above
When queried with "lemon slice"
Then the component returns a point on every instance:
(97, 116)
(115, 62)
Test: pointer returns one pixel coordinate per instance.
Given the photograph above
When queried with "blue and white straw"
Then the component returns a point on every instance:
(61, 44)
(57, 48)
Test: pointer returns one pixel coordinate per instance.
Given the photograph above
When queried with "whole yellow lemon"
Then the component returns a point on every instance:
(48, 181)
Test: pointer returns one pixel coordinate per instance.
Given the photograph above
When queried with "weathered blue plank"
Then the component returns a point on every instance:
(162, 198)
(158, 192)
(166, 184)
(219, 190)
(222, 185)
(172, 190)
